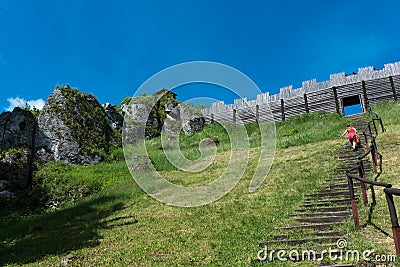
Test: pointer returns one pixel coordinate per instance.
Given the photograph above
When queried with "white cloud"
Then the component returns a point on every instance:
(20, 102)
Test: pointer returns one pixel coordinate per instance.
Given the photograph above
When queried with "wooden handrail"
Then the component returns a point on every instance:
(389, 192)
(366, 181)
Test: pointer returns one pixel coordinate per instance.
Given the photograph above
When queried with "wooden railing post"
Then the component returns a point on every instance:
(383, 128)
(212, 117)
(373, 154)
(234, 115)
(394, 220)
(282, 109)
(369, 129)
(353, 202)
(361, 172)
(375, 129)
(366, 141)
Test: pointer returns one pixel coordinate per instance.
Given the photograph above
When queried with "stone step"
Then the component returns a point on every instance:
(328, 194)
(325, 209)
(328, 198)
(319, 226)
(338, 186)
(327, 219)
(296, 236)
(342, 171)
(349, 153)
(325, 204)
(338, 180)
(341, 200)
(326, 213)
(293, 242)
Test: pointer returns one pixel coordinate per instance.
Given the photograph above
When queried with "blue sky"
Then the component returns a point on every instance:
(109, 48)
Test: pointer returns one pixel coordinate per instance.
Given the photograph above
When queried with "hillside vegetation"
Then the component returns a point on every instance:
(104, 218)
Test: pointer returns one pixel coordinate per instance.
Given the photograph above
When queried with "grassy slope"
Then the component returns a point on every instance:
(122, 226)
(377, 232)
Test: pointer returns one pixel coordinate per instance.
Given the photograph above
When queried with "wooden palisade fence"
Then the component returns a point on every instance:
(366, 88)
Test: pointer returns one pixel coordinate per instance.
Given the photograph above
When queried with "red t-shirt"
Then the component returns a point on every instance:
(351, 134)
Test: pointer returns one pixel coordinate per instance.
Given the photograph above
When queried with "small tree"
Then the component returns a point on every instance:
(34, 110)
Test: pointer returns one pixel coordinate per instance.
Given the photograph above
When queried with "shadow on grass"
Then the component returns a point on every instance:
(56, 233)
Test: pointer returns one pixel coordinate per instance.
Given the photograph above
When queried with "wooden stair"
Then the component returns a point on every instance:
(316, 221)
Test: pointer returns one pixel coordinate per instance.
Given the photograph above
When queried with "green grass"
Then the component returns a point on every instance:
(120, 225)
(376, 229)
(296, 131)
(310, 128)
(123, 226)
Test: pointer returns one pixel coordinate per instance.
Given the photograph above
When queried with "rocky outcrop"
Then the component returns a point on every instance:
(183, 117)
(191, 118)
(17, 129)
(17, 142)
(145, 110)
(167, 113)
(133, 129)
(73, 128)
(114, 117)
(15, 170)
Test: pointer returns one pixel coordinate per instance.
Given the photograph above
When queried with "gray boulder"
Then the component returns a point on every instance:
(17, 129)
(183, 117)
(192, 119)
(73, 128)
(167, 114)
(17, 141)
(15, 170)
(141, 112)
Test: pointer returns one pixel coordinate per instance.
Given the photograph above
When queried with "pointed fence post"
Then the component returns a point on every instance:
(282, 109)
(393, 88)
(336, 100)
(306, 104)
(257, 113)
(364, 89)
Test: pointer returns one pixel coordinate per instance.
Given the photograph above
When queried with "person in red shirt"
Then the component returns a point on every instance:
(351, 135)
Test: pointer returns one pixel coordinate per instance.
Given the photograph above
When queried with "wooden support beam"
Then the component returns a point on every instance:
(306, 104)
(393, 88)
(364, 89)
(336, 100)
(257, 113)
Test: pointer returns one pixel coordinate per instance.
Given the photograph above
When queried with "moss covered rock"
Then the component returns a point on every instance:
(73, 128)
(160, 111)
(15, 173)
(17, 129)
(17, 136)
